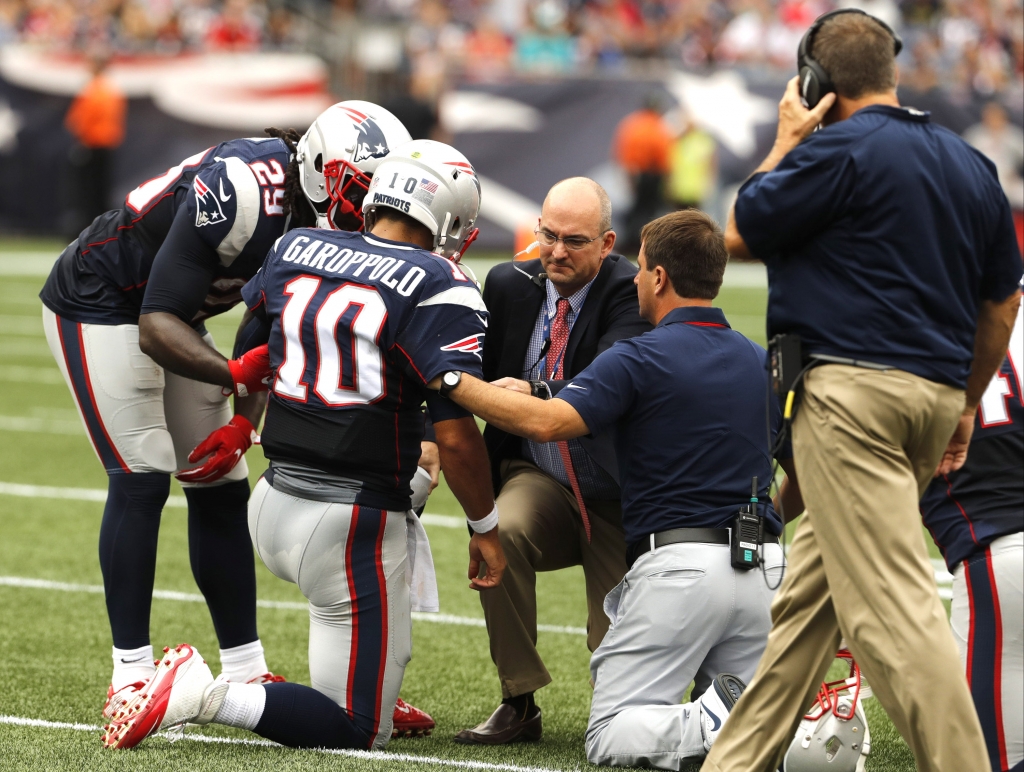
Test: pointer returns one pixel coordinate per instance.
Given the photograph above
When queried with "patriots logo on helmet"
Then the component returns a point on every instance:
(371, 142)
(470, 345)
(208, 211)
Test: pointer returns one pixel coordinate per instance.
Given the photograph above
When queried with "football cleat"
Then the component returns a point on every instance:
(181, 691)
(716, 704)
(267, 678)
(116, 700)
(410, 721)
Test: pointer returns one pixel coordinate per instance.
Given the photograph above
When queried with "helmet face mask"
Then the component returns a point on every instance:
(347, 186)
(834, 735)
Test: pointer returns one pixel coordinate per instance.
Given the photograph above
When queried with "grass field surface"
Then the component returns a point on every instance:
(55, 642)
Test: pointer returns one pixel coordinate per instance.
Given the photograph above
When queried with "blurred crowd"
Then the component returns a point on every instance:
(134, 27)
(971, 44)
(974, 46)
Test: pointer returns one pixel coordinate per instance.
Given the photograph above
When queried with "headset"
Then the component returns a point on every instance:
(814, 81)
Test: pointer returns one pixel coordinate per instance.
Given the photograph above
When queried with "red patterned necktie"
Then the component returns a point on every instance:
(556, 353)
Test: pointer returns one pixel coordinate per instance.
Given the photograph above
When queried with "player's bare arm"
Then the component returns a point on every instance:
(995, 324)
(537, 419)
(225, 446)
(174, 345)
(464, 462)
(430, 460)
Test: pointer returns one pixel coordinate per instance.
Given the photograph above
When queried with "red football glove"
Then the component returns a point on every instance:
(251, 372)
(225, 446)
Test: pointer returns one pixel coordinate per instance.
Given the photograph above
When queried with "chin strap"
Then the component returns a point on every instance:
(466, 244)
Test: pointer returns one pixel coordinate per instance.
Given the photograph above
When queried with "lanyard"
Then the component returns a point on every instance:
(541, 365)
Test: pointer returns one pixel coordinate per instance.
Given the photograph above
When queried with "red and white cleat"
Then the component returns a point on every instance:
(120, 698)
(267, 678)
(410, 721)
(181, 691)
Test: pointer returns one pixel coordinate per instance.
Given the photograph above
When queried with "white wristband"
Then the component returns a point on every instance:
(485, 524)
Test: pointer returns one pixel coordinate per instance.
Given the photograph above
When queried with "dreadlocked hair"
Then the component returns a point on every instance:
(295, 202)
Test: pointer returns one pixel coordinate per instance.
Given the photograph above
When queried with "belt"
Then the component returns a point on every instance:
(683, 536)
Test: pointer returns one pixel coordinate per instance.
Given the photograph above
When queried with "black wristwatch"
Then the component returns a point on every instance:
(449, 381)
(540, 389)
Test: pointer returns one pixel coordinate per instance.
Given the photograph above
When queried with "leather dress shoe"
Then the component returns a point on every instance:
(504, 726)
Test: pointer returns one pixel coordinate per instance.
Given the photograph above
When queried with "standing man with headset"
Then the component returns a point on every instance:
(891, 254)
(549, 318)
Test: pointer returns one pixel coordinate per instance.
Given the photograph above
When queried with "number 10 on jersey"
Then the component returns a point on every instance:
(346, 327)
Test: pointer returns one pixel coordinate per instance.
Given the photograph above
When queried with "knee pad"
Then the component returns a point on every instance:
(331, 616)
(156, 452)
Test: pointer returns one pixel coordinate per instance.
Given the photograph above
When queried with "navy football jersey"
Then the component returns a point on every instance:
(184, 242)
(983, 500)
(357, 327)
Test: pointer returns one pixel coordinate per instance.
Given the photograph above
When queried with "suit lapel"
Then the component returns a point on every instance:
(588, 313)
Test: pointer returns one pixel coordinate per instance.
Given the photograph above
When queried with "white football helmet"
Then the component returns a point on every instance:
(834, 736)
(338, 155)
(435, 185)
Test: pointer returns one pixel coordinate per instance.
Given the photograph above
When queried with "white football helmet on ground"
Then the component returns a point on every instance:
(435, 185)
(834, 736)
(338, 155)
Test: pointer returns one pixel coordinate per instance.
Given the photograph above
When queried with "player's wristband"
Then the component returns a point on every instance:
(486, 523)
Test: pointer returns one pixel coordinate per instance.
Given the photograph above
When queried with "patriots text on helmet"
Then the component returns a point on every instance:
(393, 273)
(397, 203)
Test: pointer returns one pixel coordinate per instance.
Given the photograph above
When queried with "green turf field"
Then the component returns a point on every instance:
(54, 639)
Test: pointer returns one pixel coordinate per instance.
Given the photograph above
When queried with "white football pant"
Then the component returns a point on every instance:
(138, 416)
(682, 613)
(350, 562)
(987, 616)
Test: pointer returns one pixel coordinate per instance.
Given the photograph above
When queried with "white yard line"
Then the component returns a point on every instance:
(27, 263)
(407, 758)
(36, 375)
(33, 425)
(75, 494)
(942, 577)
(25, 582)
(98, 494)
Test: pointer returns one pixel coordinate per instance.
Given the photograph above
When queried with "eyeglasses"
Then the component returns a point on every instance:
(574, 243)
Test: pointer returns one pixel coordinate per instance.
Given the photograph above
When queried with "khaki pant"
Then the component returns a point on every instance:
(541, 530)
(865, 444)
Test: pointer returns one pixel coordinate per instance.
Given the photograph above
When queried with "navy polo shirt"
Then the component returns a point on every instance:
(882, 235)
(688, 404)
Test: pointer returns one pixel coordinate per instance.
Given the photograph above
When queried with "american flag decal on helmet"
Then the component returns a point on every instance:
(428, 185)
(471, 345)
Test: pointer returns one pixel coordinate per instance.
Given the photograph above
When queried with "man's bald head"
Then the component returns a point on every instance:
(575, 233)
(581, 194)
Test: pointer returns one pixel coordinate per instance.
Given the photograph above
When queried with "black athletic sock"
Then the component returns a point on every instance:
(223, 565)
(301, 717)
(523, 703)
(128, 538)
